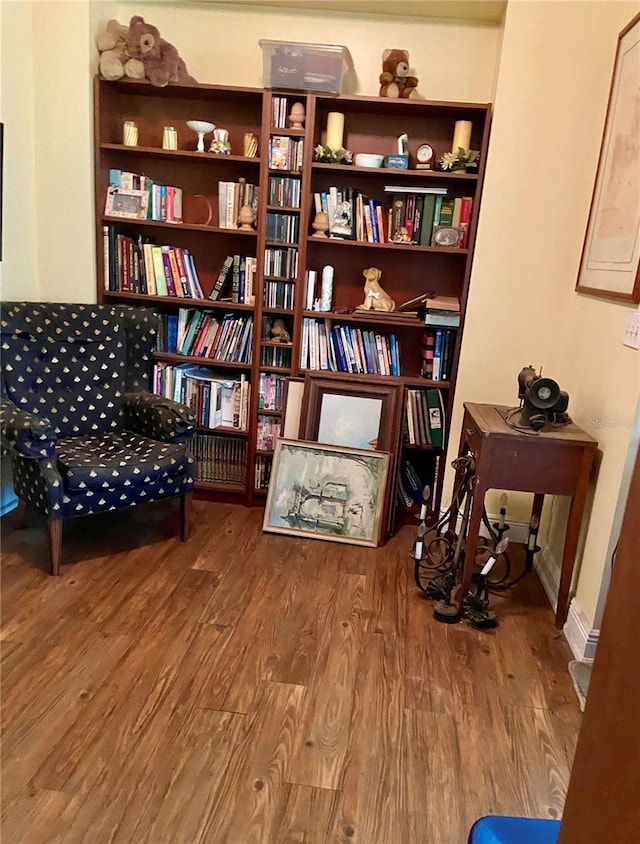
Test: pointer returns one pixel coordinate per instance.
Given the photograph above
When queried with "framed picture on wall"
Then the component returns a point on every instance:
(610, 264)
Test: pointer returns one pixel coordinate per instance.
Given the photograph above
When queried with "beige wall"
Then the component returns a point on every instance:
(551, 98)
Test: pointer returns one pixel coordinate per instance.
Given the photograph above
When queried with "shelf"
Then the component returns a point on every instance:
(294, 133)
(281, 243)
(170, 357)
(285, 311)
(275, 171)
(227, 432)
(288, 208)
(396, 173)
(264, 452)
(263, 412)
(402, 247)
(190, 155)
(274, 345)
(265, 367)
(349, 317)
(190, 227)
(409, 380)
(200, 303)
(425, 447)
(219, 486)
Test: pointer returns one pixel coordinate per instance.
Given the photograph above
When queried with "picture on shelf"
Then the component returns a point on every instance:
(352, 421)
(130, 204)
(326, 492)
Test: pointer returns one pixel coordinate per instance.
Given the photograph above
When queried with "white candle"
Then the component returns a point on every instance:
(335, 129)
(461, 135)
(327, 288)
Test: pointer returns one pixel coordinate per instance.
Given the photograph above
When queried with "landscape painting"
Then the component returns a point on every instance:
(326, 492)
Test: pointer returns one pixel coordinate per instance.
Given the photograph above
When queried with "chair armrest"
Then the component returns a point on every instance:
(26, 433)
(158, 418)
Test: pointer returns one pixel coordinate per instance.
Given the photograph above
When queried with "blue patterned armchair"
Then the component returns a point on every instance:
(83, 432)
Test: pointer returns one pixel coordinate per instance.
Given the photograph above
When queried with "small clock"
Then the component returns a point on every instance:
(424, 154)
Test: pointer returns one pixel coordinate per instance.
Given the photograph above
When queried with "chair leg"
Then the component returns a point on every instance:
(55, 545)
(186, 501)
(19, 515)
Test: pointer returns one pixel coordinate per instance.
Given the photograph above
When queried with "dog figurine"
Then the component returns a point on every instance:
(375, 298)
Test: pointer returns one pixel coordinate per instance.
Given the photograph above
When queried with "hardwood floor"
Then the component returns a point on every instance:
(249, 688)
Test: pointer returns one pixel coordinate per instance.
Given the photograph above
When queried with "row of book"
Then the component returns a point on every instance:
(415, 216)
(200, 334)
(216, 402)
(285, 153)
(271, 391)
(135, 195)
(279, 294)
(231, 197)
(443, 311)
(281, 263)
(221, 460)
(411, 482)
(284, 191)
(237, 272)
(280, 109)
(284, 228)
(341, 348)
(276, 355)
(134, 265)
(267, 432)
(437, 353)
(424, 418)
(262, 471)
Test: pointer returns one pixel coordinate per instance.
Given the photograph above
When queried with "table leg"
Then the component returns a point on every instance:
(471, 542)
(571, 539)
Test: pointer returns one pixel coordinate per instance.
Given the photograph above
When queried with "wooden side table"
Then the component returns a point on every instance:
(554, 463)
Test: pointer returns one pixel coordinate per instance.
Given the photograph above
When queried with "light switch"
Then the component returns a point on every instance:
(632, 332)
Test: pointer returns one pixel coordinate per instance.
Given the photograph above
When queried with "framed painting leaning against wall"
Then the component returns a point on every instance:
(326, 492)
(610, 264)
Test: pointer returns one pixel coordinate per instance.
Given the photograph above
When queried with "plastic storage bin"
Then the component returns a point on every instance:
(303, 67)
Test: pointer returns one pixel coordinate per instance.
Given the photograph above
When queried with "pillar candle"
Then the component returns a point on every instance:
(335, 129)
(327, 288)
(461, 135)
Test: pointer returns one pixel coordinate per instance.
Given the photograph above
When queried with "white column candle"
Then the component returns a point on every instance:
(327, 288)
(461, 136)
(335, 129)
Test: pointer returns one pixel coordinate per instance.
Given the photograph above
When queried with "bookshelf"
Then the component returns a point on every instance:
(285, 249)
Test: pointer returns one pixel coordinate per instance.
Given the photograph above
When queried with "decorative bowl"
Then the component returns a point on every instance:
(368, 159)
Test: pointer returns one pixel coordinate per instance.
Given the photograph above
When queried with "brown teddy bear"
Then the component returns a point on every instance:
(394, 79)
(115, 62)
(161, 61)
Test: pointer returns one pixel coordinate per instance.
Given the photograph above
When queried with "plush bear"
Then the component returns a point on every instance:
(115, 61)
(394, 79)
(161, 61)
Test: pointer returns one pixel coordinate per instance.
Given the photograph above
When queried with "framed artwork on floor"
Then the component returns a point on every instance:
(327, 492)
(610, 264)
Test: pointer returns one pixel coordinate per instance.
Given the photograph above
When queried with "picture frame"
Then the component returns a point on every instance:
(327, 492)
(610, 261)
(351, 414)
(126, 204)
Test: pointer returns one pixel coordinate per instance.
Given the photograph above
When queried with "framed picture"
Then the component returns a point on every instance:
(326, 492)
(610, 264)
(130, 204)
(292, 408)
(345, 413)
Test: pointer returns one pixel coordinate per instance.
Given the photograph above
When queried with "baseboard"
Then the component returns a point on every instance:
(581, 637)
(518, 531)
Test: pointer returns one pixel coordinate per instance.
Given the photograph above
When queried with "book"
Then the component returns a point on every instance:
(222, 278)
(436, 417)
(415, 189)
(426, 221)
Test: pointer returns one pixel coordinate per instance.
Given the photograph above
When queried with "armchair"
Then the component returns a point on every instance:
(83, 432)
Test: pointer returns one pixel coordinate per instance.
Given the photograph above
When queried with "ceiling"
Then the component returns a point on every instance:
(482, 11)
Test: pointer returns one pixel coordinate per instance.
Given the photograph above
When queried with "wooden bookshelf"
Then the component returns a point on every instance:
(372, 125)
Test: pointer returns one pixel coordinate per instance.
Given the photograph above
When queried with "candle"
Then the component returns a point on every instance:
(335, 129)
(129, 133)
(503, 510)
(461, 136)
(327, 288)
(533, 533)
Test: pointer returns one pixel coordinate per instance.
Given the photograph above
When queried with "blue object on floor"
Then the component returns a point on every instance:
(495, 829)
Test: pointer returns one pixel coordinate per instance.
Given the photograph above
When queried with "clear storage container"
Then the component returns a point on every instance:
(303, 67)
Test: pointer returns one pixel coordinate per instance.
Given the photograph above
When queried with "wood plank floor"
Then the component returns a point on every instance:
(249, 688)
